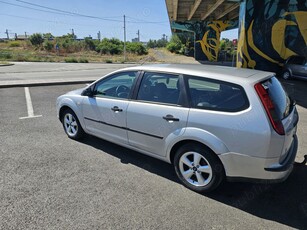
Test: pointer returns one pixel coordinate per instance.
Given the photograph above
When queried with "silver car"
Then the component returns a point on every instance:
(295, 67)
(212, 123)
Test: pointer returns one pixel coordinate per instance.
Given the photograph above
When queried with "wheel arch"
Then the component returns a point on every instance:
(181, 143)
(287, 69)
(62, 110)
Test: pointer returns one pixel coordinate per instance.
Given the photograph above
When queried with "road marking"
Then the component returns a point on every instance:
(29, 105)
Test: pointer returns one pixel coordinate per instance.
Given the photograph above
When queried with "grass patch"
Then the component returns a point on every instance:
(5, 55)
(4, 63)
(14, 44)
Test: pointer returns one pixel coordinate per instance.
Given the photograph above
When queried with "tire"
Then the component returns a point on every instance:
(286, 75)
(72, 125)
(203, 170)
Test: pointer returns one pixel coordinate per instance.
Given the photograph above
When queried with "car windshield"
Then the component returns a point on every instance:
(297, 60)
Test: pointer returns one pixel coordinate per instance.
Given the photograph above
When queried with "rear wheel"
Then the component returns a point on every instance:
(72, 125)
(198, 168)
(286, 75)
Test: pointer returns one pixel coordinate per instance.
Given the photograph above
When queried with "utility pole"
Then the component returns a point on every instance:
(26, 36)
(124, 38)
(73, 33)
(7, 34)
(138, 33)
(99, 35)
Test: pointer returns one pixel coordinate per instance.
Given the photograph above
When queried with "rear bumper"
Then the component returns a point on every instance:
(240, 167)
(288, 161)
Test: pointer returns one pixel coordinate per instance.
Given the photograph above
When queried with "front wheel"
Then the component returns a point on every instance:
(198, 168)
(286, 75)
(72, 125)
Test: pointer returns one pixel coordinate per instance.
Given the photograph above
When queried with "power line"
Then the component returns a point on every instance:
(38, 19)
(61, 13)
(26, 7)
(144, 21)
(69, 12)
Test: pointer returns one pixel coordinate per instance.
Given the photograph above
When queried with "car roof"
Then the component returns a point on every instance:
(223, 73)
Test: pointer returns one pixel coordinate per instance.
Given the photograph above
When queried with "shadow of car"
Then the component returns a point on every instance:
(284, 203)
(295, 67)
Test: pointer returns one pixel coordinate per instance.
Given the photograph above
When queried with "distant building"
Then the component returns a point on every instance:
(135, 40)
(21, 37)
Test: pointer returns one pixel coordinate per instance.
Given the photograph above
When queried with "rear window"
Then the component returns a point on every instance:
(279, 97)
(216, 95)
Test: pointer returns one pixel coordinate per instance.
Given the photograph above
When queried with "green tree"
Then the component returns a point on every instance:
(175, 45)
(48, 36)
(36, 39)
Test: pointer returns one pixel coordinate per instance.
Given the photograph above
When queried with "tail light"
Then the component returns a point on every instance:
(270, 109)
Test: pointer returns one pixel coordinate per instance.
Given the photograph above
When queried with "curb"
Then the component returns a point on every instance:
(35, 84)
(3, 65)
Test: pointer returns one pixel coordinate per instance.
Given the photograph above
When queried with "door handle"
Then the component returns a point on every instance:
(169, 117)
(116, 109)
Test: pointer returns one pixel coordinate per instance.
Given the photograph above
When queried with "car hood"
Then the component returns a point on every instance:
(76, 92)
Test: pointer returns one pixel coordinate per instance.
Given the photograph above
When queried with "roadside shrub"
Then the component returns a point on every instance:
(36, 39)
(83, 60)
(71, 60)
(48, 46)
(110, 46)
(136, 47)
(175, 45)
(109, 61)
(91, 44)
(14, 44)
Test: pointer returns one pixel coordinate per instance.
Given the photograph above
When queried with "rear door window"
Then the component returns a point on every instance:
(159, 88)
(216, 95)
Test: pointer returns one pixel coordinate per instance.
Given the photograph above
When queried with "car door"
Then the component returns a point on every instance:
(105, 111)
(297, 66)
(157, 116)
(302, 71)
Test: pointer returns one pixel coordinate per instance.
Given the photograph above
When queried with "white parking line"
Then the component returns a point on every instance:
(29, 105)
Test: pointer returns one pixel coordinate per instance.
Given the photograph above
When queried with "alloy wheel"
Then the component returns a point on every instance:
(70, 124)
(195, 169)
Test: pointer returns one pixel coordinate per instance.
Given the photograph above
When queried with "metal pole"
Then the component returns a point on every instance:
(7, 34)
(124, 38)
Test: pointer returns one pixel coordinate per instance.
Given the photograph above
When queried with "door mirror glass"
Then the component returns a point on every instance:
(88, 92)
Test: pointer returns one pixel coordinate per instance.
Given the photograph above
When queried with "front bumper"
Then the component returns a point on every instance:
(239, 167)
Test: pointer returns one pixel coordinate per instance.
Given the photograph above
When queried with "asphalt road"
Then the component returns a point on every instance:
(48, 181)
(31, 72)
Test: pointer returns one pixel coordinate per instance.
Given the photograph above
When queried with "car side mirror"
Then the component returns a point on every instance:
(88, 92)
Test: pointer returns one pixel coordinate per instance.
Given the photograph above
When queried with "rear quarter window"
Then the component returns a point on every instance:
(216, 95)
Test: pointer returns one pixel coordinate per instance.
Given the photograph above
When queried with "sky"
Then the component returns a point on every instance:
(89, 17)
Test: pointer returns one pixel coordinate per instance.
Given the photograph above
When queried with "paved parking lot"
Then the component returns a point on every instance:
(48, 181)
